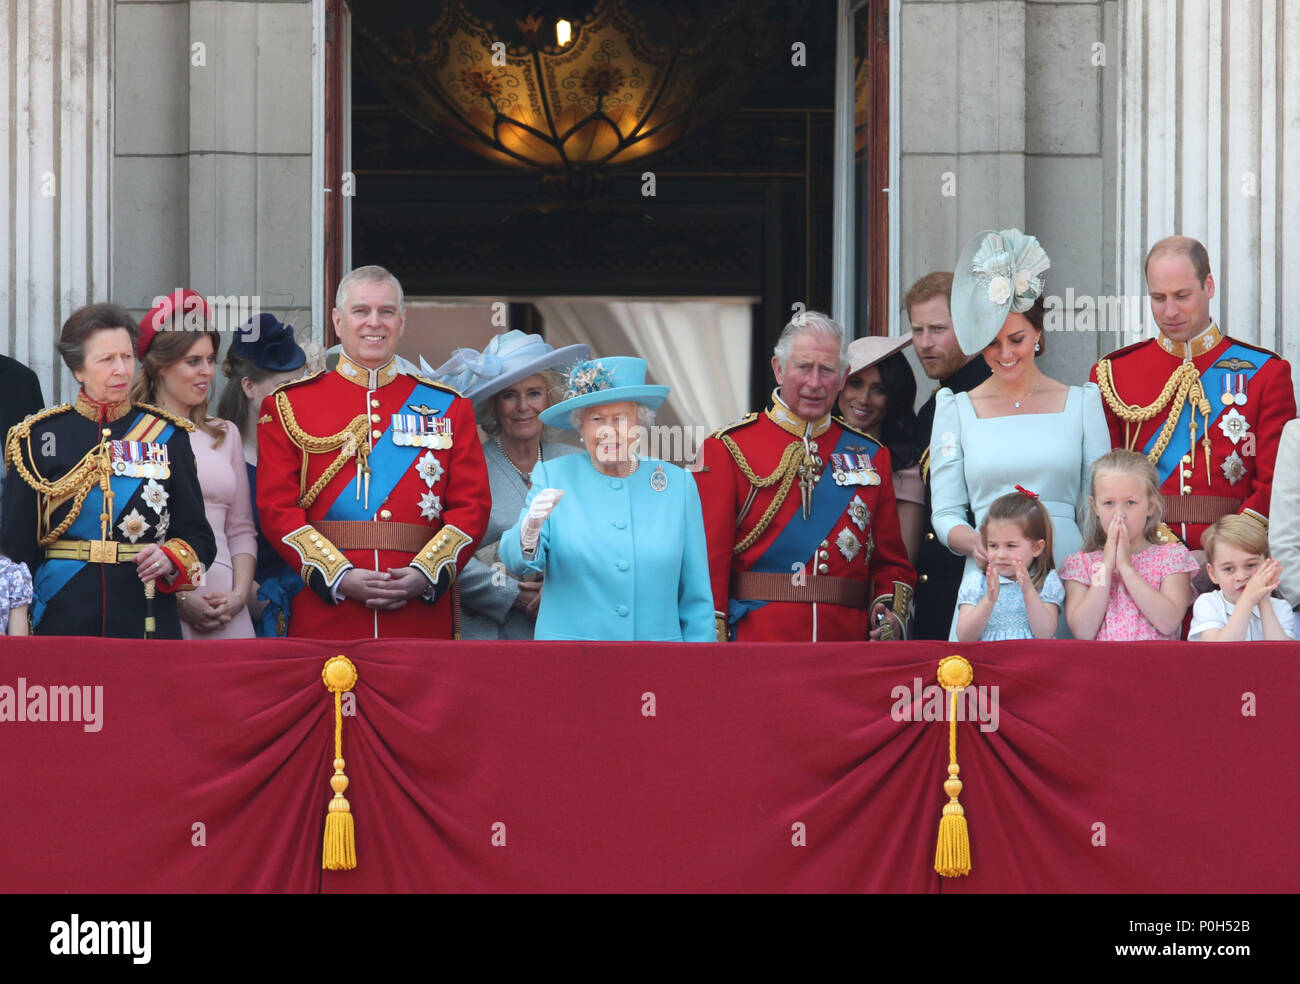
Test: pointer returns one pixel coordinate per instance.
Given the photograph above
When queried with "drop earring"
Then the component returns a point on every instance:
(1037, 348)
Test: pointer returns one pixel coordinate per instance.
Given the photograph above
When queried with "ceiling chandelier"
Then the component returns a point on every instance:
(572, 94)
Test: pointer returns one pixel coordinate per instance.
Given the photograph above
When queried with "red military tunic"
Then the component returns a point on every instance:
(432, 518)
(1243, 433)
(856, 548)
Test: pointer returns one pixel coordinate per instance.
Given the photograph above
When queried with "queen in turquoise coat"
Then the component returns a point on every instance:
(619, 538)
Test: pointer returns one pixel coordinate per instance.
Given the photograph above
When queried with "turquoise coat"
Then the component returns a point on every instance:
(623, 558)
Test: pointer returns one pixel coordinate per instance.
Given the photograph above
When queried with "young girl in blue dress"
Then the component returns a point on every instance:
(1017, 595)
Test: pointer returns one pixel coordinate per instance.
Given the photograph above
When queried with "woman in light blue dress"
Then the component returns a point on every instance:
(619, 538)
(1019, 426)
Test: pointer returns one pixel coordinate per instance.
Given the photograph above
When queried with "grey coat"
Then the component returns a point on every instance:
(487, 592)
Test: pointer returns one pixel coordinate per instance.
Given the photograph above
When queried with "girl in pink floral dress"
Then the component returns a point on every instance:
(1126, 585)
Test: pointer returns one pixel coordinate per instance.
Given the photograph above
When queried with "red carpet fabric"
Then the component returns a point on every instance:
(481, 767)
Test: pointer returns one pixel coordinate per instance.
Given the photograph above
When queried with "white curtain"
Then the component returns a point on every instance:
(700, 348)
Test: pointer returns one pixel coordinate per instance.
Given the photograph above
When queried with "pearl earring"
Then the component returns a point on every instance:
(1037, 348)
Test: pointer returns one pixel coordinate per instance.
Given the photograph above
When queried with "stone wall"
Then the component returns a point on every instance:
(1008, 120)
(212, 170)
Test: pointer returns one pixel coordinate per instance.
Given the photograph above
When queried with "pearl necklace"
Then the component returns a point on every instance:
(527, 478)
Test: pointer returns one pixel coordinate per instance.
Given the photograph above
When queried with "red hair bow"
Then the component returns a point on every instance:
(1025, 491)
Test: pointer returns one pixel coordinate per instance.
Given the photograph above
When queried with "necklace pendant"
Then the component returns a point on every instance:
(1016, 404)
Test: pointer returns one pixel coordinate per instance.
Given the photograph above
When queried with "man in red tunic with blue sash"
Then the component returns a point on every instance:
(1207, 409)
(799, 510)
(371, 481)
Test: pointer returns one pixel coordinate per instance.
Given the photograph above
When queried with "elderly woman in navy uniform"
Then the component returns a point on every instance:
(624, 554)
(510, 383)
(103, 500)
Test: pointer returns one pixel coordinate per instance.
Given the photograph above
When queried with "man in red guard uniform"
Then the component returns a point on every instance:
(803, 534)
(1207, 409)
(371, 481)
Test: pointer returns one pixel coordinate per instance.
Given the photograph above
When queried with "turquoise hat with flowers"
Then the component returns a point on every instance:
(997, 273)
(593, 382)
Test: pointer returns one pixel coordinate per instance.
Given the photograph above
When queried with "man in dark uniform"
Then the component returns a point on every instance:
(938, 569)
(20, 393)
(102, 498)
(20, 396)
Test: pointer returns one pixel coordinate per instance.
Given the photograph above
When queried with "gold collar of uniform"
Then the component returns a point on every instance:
(91, 410)
(1193, 348)
(792, 423)
(371, 379)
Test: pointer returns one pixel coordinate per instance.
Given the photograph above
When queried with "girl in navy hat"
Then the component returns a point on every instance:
(263, 356)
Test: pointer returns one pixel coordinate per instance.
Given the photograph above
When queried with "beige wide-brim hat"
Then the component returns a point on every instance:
(866, 352)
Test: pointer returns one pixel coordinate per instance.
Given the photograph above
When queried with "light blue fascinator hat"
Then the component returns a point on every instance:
(998, 272)
(504, 361)
(593, 382)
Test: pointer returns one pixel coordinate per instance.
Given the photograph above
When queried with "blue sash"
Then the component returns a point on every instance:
(801, 538)
(55, 573)
(389, 462)
(1212, 380)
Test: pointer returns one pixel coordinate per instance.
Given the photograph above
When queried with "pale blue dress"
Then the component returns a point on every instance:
(974, 460)
(624, 558)
(1009, 618)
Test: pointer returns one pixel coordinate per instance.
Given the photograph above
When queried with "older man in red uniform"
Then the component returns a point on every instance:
(799, 511)
(1207, 409)
(371, 481)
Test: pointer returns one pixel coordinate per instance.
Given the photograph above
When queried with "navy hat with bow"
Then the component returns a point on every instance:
(268, 343)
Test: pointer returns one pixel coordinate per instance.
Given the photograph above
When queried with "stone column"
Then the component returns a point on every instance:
(213, 166)
(54, 175)
(1210, 148)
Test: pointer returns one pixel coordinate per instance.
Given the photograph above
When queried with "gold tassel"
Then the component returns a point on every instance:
(952, 853)
(340, 849)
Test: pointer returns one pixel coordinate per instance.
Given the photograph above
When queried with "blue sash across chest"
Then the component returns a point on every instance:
(801, 537)
(389, 461)
(55, 573)
(1180, 442)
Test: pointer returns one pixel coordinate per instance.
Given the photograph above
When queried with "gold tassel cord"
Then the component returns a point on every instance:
(786, 471)
(952, 852)
(1181, 388)
(340, 847)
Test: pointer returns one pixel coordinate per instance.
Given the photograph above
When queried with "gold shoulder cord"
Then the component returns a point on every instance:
(785, 474)
(1182, 386)
(94, 467)
(183, 422)
(351, 440)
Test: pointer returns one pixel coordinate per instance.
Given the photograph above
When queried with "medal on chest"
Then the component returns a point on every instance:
(422, 429)
(1235, 390)
(140, 459)
(854, 467)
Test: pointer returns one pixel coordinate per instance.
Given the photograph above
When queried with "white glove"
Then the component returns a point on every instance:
(542, 505)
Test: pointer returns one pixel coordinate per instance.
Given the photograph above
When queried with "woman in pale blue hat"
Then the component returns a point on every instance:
(510, 383)
(1018, 427)
(619, 537)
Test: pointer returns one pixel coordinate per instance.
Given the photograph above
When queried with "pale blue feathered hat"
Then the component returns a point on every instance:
(997, 273)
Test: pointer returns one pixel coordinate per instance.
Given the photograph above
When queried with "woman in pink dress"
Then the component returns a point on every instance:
(177, 366)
